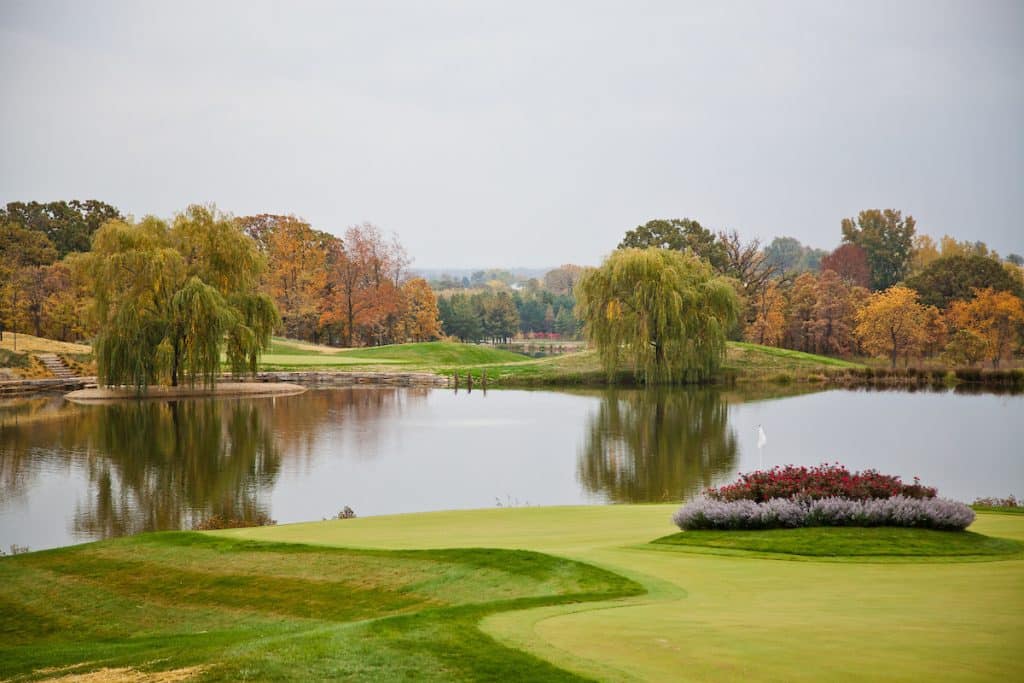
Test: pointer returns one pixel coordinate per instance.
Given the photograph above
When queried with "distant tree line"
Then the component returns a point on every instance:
(500, 315)
(884, 291)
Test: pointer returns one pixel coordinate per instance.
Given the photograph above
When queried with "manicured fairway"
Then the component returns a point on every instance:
(730, 617)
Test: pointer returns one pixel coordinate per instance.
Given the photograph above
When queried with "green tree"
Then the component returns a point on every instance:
(169, 299)
(965, 347)
(664, 312)
(565, 323)
(68, 225)
(887, 238)
(678, 234)
(460, 318)
(954, 278)
(501, 319)
(788, 255)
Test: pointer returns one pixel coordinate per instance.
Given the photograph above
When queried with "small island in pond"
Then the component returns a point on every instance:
(222, 390)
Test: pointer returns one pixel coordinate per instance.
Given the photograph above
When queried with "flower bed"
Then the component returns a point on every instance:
(824, 481)
(828, 495)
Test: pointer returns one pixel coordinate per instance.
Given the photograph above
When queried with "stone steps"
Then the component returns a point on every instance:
(57, 367)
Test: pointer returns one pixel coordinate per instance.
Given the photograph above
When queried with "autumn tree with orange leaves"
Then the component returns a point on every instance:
(296, 269)
(769, 324)
(834, 315)
(993, 316)
(892, 322)
(420, 320)
(363, 297)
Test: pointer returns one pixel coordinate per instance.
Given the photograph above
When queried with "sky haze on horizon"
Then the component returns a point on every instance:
(527, 133)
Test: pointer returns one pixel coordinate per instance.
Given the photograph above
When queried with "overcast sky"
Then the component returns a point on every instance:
(520, 133)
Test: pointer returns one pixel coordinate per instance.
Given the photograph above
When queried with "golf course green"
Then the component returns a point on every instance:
(729, 616)
(522, 593)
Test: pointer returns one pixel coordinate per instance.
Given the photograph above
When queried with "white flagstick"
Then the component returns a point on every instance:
(762, 439)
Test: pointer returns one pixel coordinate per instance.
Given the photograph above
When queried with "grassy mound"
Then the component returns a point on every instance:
(851, 542)
(438, 353)
(425, 356)
(236, 609)
(744, 356)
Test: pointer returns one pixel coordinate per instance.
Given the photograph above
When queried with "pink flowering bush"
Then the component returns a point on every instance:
(823, 481)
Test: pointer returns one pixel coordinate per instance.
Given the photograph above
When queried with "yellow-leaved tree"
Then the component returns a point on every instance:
(993, 316)
(420, 320)
(769, 325)
(892, 322)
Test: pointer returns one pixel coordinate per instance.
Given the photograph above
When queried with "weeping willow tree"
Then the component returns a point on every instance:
(169, 299)
(661, 311)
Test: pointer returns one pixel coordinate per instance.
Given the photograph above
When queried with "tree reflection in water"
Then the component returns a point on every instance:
(658, 444)
(161, 465)
(155, 465)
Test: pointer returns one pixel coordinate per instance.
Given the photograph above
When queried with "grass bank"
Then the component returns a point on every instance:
(18, 361)
(187, 604)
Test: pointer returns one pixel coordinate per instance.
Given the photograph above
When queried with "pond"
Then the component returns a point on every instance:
(70, 473)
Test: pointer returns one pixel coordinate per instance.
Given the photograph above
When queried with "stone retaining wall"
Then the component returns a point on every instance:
(35, 386)
(344, 379)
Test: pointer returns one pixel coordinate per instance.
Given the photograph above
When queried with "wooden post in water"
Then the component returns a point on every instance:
(485, 380)
(455, 376)
(469, 382)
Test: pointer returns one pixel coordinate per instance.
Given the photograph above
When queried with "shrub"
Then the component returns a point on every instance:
(898, 510)
(824, 481)
(11, 359)
(968, 374)
(1008, 502)
(216, 521)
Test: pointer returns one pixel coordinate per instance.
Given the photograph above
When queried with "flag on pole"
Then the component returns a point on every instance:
(762, 438)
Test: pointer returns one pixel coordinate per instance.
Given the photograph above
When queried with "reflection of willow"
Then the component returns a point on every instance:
(158, 465)
(656, 445)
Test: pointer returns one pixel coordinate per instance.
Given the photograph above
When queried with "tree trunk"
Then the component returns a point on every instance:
(174, 363)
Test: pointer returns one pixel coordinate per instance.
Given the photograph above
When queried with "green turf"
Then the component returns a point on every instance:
(743, 355)
(271, 611)
(439, 353)
(850, 542)
(1001, 509)
(729, 616)
(503, 368)
(418, 356)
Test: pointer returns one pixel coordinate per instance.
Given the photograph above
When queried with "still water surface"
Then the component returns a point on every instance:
(71, 473)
